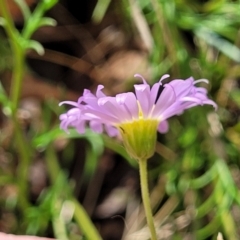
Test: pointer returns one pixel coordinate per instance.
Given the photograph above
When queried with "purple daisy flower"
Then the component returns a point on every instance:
(131, 115)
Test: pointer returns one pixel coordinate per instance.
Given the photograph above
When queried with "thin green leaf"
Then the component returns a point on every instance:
(100, 10)
(24, 9)
(32, 44)
(45, 21)
(221, 44)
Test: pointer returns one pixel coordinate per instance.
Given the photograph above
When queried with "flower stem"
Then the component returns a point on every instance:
(145, 197)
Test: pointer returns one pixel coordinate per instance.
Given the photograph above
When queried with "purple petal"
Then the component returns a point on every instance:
(69, 103)
(140, 76)
(155, 89)
(96, 126)
(99, 92)
(104, 118)
(154, 93)
(166, 99)
(143, 96)
(201, 80)
(163, 127)
(113, 108)
(181, 87)
(191, 99)
(163, 78)
(129, 101)
(174, 109)
(80, 127)
(103, 112)
(111, 131)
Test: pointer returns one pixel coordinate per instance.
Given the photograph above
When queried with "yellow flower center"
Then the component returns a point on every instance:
(139, 137)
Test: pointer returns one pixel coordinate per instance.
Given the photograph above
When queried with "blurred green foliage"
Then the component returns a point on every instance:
(201, 167)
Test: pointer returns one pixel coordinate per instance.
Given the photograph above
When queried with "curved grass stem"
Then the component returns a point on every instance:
(80, 215)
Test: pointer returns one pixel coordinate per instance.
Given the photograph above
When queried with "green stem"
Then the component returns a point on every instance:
(59, 228)
(15, 90)
(52, 164)
(17, 77)
(8, 21)
(18, 53)
(145, 197)
(22, 170)
(33, 20)
(84, 222)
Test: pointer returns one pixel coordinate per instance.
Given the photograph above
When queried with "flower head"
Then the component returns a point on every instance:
(136, 117)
